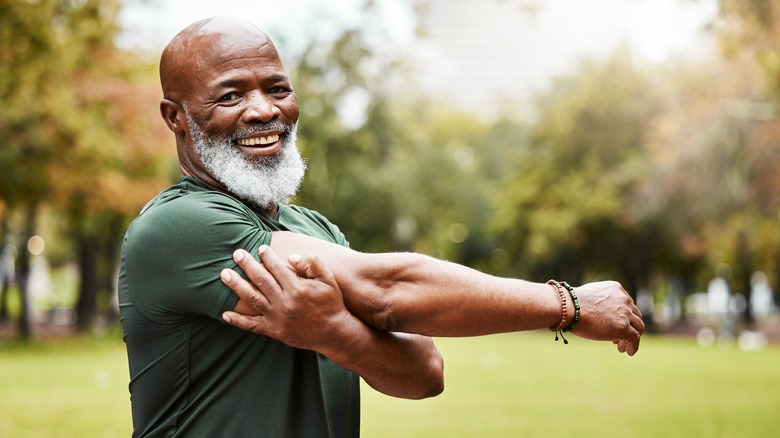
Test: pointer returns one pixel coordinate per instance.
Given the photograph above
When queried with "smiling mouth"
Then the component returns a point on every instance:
(255, 141)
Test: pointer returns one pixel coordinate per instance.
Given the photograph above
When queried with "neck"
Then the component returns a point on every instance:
(273, 211)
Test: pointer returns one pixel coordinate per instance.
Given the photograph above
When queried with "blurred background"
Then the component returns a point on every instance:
(613, 139)
(634, 140)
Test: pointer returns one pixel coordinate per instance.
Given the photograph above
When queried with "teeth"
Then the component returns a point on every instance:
(256, 141)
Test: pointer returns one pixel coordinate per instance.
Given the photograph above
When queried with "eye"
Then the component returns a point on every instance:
(280, 90)
(229, 97)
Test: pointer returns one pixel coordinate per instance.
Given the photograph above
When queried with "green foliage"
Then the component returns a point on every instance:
(752, 27)
(572, 187)
(391, 178)
(77, 130)
(614, 179)
(645, 175)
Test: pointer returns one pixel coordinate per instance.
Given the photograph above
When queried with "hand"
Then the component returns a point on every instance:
(609, 314)
(299, 304)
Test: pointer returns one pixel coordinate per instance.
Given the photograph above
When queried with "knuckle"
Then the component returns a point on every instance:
(255, 328)
(259, 279)
(272, 265)
(290, 312)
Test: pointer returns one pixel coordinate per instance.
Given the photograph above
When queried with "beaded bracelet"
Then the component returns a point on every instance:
(576, 307)
(562, 294)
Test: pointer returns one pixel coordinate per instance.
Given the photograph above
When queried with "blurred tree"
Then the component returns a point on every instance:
(77, 130)
(750, 29)
(567, 207)
(695, 179)
(390, 167)
(33, 54)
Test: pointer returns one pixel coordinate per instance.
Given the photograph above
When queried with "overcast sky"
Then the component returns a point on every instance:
(653, 27)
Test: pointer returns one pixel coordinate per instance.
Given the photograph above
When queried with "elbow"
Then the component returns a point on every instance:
(396, 305)
(429, 384)
(435, 385)
(432, 383)
(426, 377)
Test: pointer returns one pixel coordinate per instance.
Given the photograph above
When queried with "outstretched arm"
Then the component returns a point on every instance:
(413, 293)
(302, 306)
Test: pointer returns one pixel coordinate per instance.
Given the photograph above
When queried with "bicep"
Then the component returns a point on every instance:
(364, 279)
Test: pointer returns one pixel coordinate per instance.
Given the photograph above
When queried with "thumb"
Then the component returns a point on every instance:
(310, 267)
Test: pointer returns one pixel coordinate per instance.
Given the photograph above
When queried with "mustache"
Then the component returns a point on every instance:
(260, 127)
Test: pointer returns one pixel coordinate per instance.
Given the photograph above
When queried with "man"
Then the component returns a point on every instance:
(323, 321)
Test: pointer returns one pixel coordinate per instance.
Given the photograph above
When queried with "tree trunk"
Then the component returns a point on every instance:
(5, 273)
(23, 267)
(743, 274)
(776, 288)
(112, 249)
(88, 288)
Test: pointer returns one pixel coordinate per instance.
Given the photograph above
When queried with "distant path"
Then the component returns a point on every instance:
(44, 330)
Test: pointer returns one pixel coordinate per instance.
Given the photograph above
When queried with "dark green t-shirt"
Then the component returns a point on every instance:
(191, 374)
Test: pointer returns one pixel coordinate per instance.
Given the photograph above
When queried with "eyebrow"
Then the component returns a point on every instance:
(234, 82)
(230, 83)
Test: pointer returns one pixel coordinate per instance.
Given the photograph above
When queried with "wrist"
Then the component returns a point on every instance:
(574, 308)
(564, 308)
(347, 339)
(570, 309)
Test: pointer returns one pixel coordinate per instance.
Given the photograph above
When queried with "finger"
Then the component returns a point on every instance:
(638, 323)
(258, 274)
(632, 347)
(254, 324)
(255, 271)
(282, 275)
(311, 267)
(245, 291)
(632, 344)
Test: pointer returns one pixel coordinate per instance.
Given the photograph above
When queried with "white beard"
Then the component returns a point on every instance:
(262, 181)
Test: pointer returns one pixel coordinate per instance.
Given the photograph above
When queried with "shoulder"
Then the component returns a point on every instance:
(178, 245)
(180, 213)
(192, 224)
(302, 220)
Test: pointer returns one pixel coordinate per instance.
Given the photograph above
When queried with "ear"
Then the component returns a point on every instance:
(173, 114)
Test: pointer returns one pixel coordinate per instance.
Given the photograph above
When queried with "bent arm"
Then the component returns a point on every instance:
(414, 293)
(301, 305)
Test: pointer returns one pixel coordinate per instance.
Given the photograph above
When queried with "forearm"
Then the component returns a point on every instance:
(396, 364)
(438, 298)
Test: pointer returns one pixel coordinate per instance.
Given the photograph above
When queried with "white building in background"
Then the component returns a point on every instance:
(493, 54)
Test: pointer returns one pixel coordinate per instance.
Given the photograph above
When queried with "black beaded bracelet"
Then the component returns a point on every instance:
(576, 307)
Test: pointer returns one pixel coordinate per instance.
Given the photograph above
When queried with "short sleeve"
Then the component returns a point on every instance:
(174, 252)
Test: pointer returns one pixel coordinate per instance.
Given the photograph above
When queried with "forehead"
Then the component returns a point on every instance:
(226, 55)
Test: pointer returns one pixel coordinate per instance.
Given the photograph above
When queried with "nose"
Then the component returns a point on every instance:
(260, 107)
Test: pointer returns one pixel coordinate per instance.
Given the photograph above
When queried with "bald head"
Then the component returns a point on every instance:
(229, 102)
(199, 46)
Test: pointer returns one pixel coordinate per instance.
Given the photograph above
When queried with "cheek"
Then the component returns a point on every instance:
(290, 109)
(221, 122)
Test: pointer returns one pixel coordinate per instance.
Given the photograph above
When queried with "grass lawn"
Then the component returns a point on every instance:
(497, 386)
